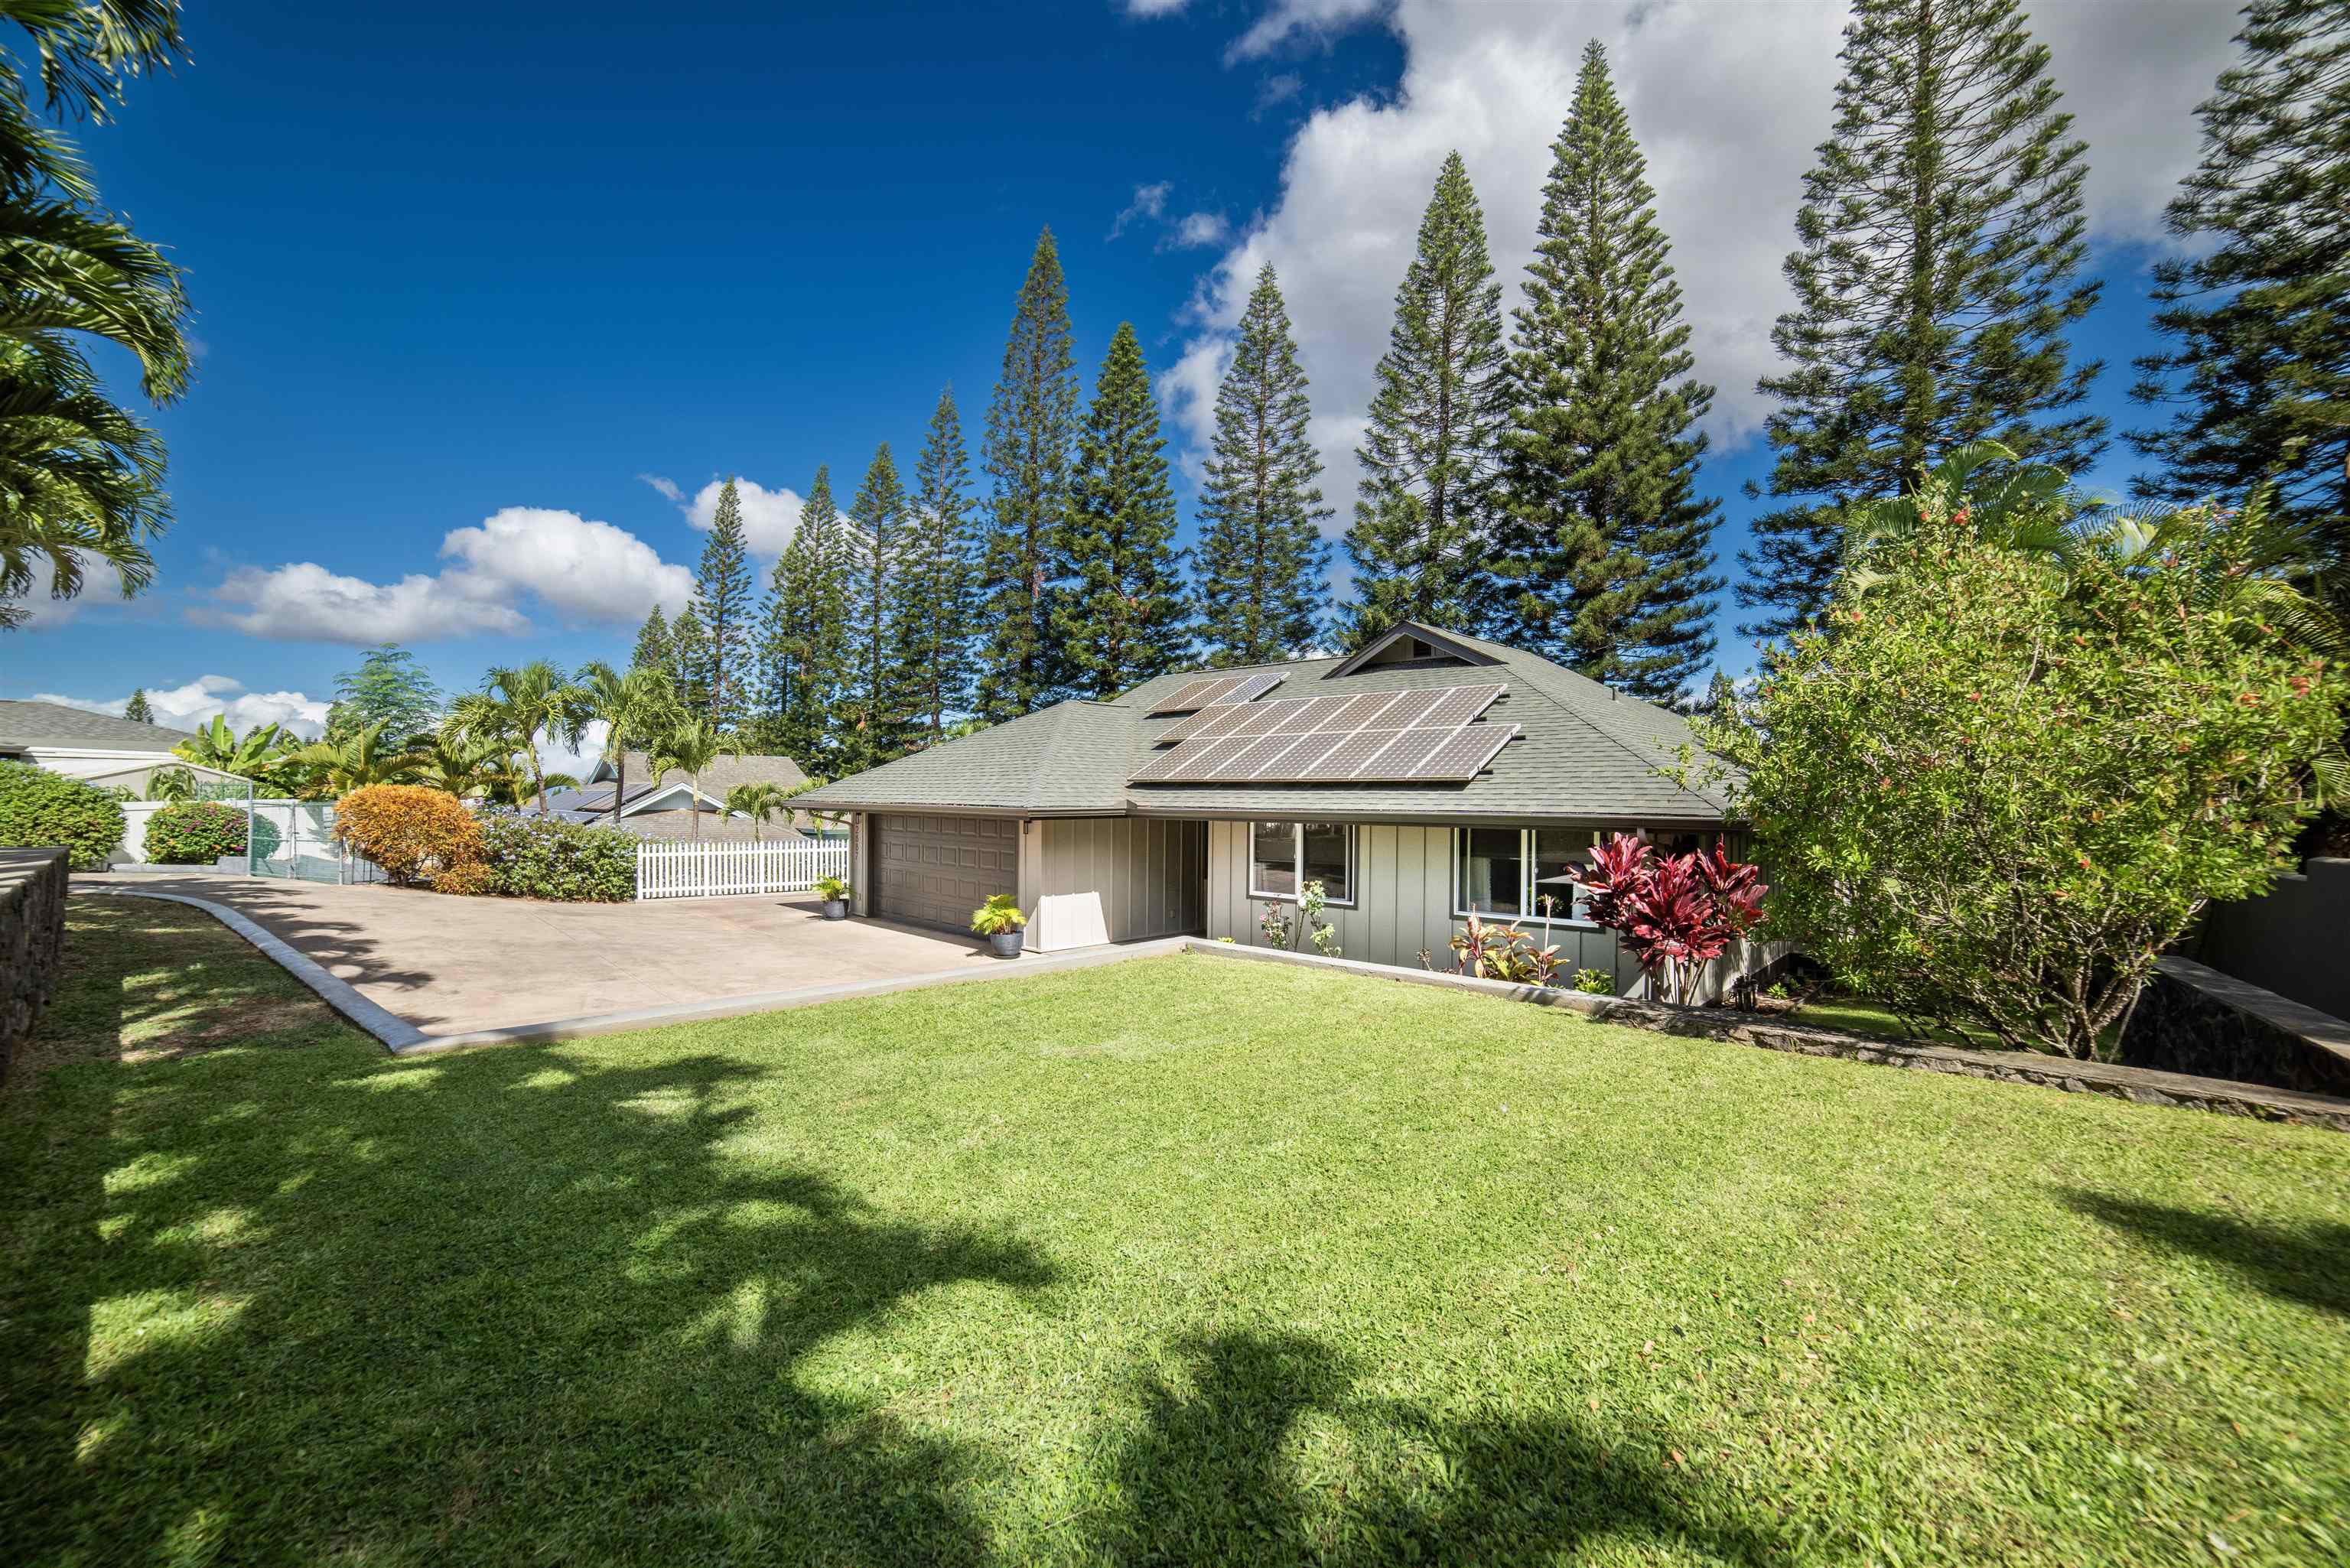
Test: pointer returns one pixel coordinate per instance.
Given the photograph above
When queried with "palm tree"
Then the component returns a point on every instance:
(79, 476)
(355, 762)
(521, 708)
(690, 745)
(466, 768)
(758, 801)
(636, 708)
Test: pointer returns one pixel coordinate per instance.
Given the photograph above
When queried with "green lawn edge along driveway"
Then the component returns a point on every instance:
(1168, 1260)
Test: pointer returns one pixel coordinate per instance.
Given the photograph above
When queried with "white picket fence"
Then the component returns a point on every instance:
(666, 870)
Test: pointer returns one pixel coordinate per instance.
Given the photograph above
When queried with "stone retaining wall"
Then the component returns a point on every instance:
(2145, 1085)
(2194, 1019)
(31, 940)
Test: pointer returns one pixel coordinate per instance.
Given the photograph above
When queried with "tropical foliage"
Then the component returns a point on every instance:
(524, 708)
(534, 856)
(39, 807)
(759, 800)
(195, 833)
(1674, 913)
(413, 832)
(2023, 753)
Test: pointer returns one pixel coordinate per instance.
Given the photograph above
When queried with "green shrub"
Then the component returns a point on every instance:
(1594, 982)
(39, 807)
(413, 832)
(195, 833)
(534, 856)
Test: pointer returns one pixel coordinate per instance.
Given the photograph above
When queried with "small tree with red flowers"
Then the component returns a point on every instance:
(1677, 913)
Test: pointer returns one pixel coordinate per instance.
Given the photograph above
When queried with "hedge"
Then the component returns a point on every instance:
(413, 832)
(195, 833)
(534, 856)
(39, 807)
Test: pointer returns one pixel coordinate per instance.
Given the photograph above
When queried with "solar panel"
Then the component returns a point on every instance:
(1210, 690)
(1187, 697)
(1374, 736)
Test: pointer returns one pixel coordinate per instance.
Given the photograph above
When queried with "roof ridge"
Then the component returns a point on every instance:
(1601, 730)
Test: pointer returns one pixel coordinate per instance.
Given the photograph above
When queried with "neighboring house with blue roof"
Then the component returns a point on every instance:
(1427, 776)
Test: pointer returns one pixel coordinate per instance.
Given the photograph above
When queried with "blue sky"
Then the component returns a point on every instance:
(456, 271)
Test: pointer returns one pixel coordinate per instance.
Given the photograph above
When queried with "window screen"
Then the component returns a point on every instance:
(1273, 860)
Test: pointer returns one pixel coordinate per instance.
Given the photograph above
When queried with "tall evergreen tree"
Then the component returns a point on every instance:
(1608, 539)
(872, 723)
(723, 604)
(689, 661)
(136, 709)
(1939, 241)
(1127, 618)
(391, 687)
(653, 651)
(1264, 565)
(1423, 539)
(802, 642)
(934, 601)
(1031, 425)
(2259, 363)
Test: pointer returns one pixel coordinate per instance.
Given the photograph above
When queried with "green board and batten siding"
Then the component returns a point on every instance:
(1402, 903)
(1150, 875)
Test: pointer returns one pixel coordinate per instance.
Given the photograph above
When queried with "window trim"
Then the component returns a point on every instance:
(1297, 848)
(1526, 880)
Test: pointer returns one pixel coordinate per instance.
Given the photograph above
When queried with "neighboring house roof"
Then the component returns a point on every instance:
(1583, 753)
(53, 726)
(716, 779)
(713, 828)
(596, 799)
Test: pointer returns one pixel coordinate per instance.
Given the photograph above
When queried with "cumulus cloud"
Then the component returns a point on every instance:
(1728, 102)
(186, 706)
(1149, 205)
(585, 570)
(769, 516)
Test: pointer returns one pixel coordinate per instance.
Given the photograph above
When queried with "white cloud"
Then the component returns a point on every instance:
(1154, 8)
(574, 760)
(585, 570)
(188, 706)
(303, 602)
(1197, 230)
(668, 487)
(769, 516)
(592, 571)
(1149, 205)
(1728, 101)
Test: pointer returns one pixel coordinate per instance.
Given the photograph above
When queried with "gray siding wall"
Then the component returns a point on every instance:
(1147, 877)
(1403, 903)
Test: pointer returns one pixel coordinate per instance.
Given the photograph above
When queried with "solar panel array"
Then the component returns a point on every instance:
(1212, 688)
(1378, 737)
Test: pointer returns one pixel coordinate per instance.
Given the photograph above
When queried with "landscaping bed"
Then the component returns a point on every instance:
(1172, 1259)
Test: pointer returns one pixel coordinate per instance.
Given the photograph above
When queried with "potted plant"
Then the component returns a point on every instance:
(999, 920)
(835, 894)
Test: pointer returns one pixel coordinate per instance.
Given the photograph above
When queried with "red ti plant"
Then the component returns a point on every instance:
(1677, 913)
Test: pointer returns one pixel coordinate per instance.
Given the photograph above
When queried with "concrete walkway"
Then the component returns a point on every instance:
(455, 966)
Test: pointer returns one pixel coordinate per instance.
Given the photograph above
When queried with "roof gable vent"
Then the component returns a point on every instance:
(1408, 642)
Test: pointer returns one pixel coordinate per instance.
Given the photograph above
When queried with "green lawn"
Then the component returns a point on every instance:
(1176, 1260)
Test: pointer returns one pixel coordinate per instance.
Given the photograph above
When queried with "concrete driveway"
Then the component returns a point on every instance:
(450, 965)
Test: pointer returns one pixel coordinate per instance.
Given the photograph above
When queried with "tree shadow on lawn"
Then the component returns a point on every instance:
(1208, 1478)
(2308, 1264)
(503, 1307)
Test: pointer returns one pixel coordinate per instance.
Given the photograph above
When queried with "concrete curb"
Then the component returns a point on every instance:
(2145, 1085)
(396, 1034)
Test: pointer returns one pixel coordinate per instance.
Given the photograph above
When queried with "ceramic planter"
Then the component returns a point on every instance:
(835, 909)
(1006, 943)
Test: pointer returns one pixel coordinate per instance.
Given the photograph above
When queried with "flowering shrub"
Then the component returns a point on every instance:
(414, 833)
(1677, 913)
(39, 807)
(195, 833)
(534, 856)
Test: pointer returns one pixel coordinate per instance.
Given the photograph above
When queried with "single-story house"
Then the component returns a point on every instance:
(662, 807)
(1424, 777)
(85, 745)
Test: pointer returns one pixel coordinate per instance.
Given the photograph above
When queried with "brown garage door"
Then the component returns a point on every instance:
(935, 871)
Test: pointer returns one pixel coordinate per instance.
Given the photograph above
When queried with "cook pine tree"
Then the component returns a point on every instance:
(803, 636)
(933, 631)
(871, 723)
(1423, 540)
(1262, 587)
(1609, 536)
(2257, 369)
(689, 662)
(1936, 275)
(1126, 616)
(653, 649)
(724, 605)
(137, 709)
(1031, 427)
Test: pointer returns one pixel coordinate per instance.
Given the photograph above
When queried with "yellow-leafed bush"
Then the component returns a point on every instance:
(414, 833)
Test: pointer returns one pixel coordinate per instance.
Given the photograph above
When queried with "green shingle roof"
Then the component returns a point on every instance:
(1583, 753)
(26, 725)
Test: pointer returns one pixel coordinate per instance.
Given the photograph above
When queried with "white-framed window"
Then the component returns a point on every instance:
(1533, 873)
(1284, 856)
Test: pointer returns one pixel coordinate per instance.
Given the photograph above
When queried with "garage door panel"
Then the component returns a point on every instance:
(935, 871)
